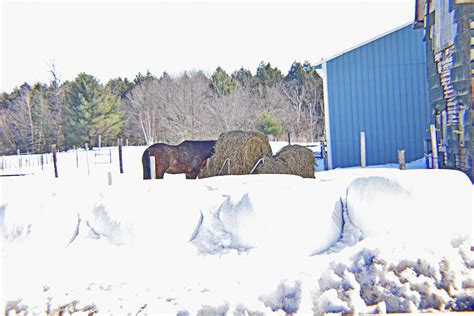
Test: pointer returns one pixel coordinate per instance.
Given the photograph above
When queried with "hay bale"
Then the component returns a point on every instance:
(241, 149)
(291, 159)
(272, 165)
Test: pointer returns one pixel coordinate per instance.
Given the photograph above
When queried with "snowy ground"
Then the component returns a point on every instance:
(351, 240)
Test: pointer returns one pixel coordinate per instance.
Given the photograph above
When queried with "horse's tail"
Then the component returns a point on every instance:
(146, 164)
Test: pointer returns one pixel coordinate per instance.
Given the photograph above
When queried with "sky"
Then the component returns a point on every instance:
(111, 39)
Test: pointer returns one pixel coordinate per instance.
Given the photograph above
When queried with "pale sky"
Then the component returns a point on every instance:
(119, 39)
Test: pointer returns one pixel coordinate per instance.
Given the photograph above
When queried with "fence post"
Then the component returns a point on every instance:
(426, 149)
(42, 161)
(18, 153)
(324, 155)
(55, 160)
(77, 157)
(363, 162)
(120, 156)
(152, 167)
(289, 138)
(401, 159)
(434, 146)
(87, 159)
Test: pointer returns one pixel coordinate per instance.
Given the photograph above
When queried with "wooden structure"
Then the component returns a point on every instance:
(449, 39)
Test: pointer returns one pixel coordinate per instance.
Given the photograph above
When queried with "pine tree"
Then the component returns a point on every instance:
(90, 111)
(243, 77)
(221, 82)
(269, 125)
(268, 76)
(119, 86)
(139, 78)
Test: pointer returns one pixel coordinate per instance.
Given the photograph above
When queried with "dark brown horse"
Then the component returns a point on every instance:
(189, 157)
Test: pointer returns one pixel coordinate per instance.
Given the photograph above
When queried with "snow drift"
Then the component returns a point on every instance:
(349, 240)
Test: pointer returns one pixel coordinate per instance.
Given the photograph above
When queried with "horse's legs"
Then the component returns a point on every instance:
(192, 175)
(160, 172)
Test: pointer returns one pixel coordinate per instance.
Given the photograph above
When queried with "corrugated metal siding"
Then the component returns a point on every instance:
(379, 88)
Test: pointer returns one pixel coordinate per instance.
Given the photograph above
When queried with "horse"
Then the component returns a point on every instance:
(189, 157)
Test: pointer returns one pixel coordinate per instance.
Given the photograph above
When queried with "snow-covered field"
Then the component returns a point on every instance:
(351, 240)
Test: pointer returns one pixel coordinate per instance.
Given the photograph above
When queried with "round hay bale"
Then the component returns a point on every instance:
(236, 153)
(272, 165)
(291, 159)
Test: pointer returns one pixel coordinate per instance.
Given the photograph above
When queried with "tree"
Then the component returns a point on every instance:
(90, 111)
(267, 77)
(269, 125)
(185, 116)
(243, 77)
(55, 97)
(119, 86)
(236, 111)
(303, 88)
(44, 125)
(139, 78)
(29, 118)
(221, 82)
(17, 119)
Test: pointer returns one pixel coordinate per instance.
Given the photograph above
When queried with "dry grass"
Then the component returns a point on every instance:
(236, 153)
(291, 159)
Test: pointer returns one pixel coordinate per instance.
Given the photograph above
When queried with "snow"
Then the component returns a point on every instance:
(351, 240)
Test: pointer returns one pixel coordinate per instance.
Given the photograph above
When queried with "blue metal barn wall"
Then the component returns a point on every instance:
(379, 88)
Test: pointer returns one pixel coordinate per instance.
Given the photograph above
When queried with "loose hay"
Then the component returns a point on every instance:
(291, 159)
(239, 151)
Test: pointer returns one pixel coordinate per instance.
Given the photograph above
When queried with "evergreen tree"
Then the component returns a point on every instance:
(243, 77)
(139, 78)
(269, 125)
(119, 86)
(268, 76)
(303, 74)
(221, 82)
(90, 111)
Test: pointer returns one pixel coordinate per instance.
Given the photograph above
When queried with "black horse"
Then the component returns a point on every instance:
(189, 157)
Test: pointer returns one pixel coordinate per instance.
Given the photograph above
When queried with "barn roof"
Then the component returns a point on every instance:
(319, 64)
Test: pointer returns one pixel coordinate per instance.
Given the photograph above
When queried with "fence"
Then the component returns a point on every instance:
(73, 163)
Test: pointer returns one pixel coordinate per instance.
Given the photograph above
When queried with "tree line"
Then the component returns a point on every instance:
(168, 108)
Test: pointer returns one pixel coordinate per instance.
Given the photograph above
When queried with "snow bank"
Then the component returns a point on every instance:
(239, 212)
(272, 212)
(414, 205)
(374, 279)
(375, 240)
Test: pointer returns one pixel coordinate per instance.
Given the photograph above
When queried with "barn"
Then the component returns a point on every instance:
(378, 88)
(449, 37)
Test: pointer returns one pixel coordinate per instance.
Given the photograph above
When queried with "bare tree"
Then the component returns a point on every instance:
(141, 111)
(235, 111)
(184, 112)
(17, 120)
(306, 99)
(56, 105)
